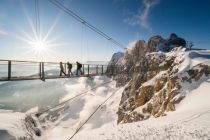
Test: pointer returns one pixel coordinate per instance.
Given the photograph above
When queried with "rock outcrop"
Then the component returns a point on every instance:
(116, 58)
(175, 40)
(153, 80)
(166, 45)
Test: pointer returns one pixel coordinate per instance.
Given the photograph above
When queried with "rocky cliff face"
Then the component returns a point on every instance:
(154, 80)
(116, 58)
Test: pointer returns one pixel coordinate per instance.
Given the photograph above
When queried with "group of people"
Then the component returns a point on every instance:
(69, 66)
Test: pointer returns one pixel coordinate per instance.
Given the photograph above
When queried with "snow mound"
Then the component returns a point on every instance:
(11, 125)
(67, 118)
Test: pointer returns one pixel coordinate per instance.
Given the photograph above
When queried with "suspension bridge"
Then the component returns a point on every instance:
(13, 70)
(16, 70)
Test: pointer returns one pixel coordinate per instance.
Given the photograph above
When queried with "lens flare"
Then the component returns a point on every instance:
(39, 45)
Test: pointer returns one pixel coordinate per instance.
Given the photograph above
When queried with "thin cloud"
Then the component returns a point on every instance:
(142, 17)
(3, 33)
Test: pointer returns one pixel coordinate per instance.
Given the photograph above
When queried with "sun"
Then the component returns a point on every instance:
(39, 45)
(36, 42)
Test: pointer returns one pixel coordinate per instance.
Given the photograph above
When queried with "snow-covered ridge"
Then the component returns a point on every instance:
(189, 121)
(174, 85)
(158, 81)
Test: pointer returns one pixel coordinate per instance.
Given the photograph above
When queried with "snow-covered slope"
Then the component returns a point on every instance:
(189, 121)
(158, 81)
(11, 125)
(62, 122)
(167, 91)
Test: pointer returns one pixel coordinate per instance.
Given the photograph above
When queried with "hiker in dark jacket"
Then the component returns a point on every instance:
(69, 65)
(79, 66)
(62, 69)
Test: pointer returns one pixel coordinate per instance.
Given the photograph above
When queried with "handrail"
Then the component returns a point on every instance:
(18, 60)
(43, 69)
(92, 64)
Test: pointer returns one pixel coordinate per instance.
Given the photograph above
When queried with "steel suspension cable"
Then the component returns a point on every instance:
(37, 18)
(81, 20)
(78, 129)
(41, 112)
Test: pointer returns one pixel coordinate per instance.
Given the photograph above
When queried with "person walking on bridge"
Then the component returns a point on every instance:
(79, 66)
(69, 65)
(62, 69)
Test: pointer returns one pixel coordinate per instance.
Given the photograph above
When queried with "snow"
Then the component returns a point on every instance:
(77, 111)
(79, 108)
(189, 121)
(192, 58)
(152, 81)
(23, 95)
(131, 46)
(197, 99)
(11, 124)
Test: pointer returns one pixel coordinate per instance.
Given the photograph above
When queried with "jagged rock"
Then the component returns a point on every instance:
(170, 106)
(154, 42)
(31, 126)
(37, 132)
(154, 82)
(196, 72)
(145, 94)
(173, 36)
(175, 40)
(116, 58)
(113, 66)
(159, 83)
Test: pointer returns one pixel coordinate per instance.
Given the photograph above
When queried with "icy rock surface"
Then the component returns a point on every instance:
(157, 81)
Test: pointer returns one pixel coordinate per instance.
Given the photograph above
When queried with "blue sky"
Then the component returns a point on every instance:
(124, 20)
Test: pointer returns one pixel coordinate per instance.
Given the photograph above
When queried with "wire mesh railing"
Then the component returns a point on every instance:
(11, 70)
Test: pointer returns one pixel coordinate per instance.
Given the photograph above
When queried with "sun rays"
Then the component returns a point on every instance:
(38, 44)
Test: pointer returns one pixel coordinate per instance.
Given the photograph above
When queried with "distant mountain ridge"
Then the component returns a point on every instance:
(97, 62)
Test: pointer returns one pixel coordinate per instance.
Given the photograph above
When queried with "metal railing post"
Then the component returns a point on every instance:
(88, 70)
(40, 70)
(97, 69)
(102, 69)
(83, 69)
(65, 67)
(9, 70)
(91, 70)
(43, 76)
